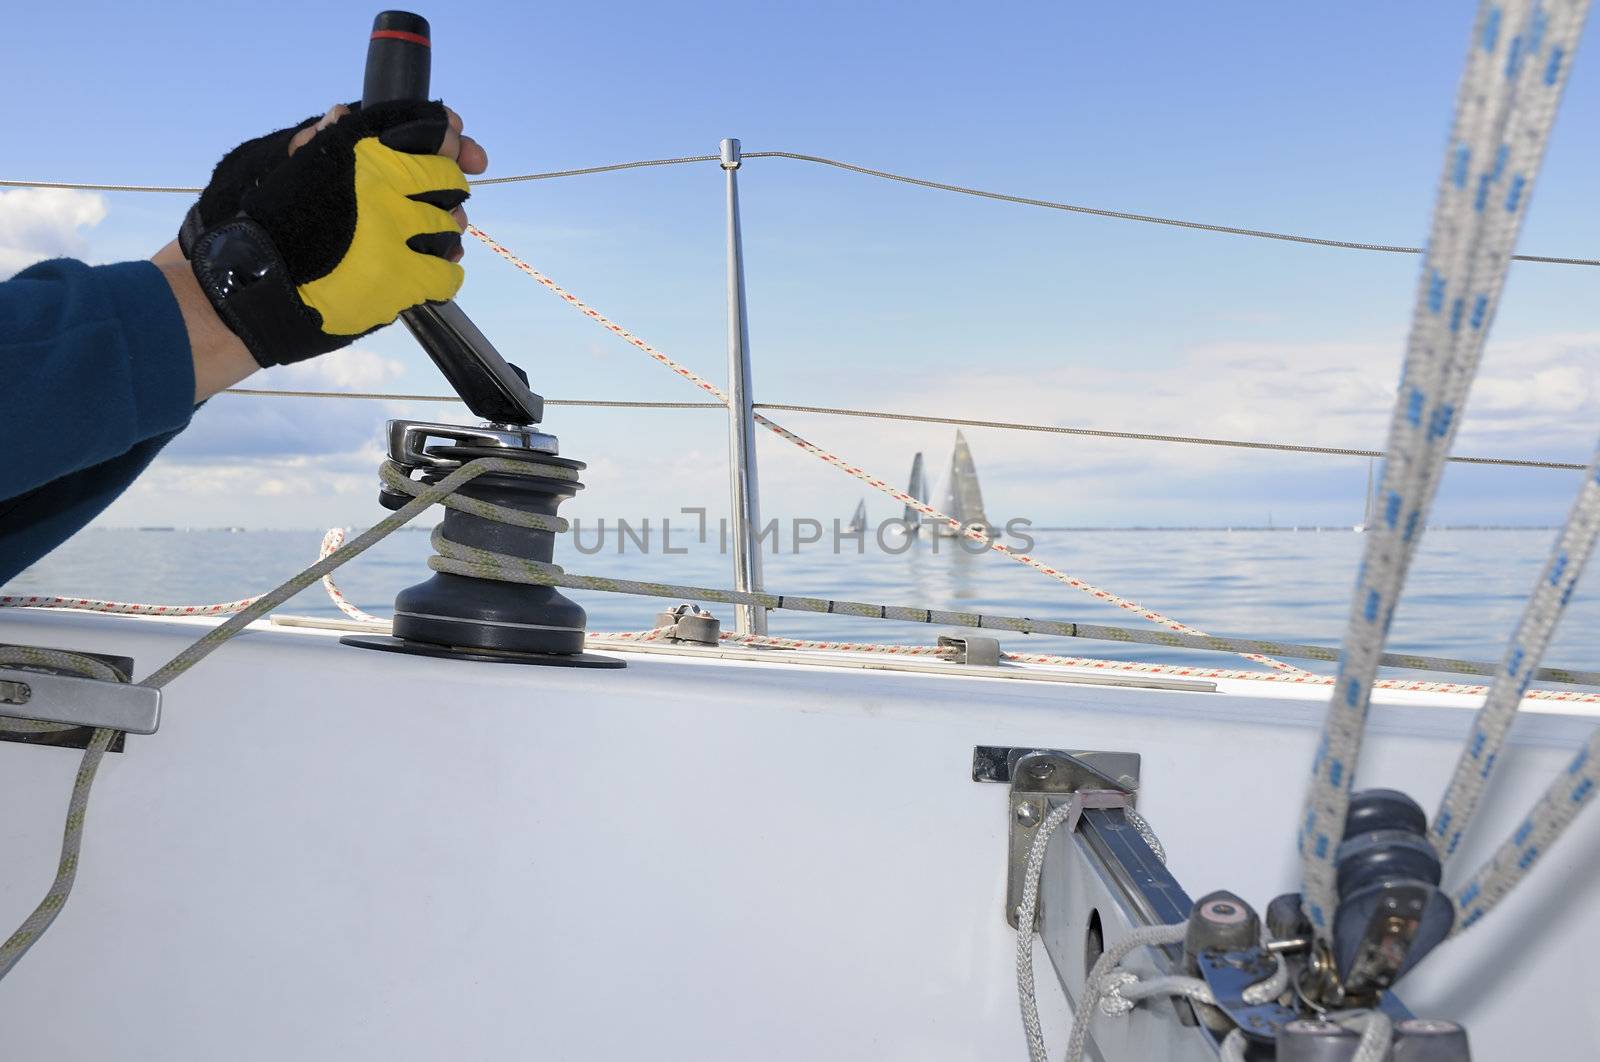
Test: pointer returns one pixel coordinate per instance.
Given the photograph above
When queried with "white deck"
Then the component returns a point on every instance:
(327, 853)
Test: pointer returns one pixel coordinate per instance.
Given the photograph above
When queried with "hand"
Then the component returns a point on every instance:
(239, 171)
(467, 152)
(359, 221)
(247, 165)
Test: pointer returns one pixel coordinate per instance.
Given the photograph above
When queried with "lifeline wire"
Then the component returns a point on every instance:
(918, 418)
(1517, 64)
(973, 533)
(1120, 215)
(920, 182)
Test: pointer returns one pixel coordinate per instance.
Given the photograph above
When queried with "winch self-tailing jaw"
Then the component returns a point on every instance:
(413, 445)
(456, 615)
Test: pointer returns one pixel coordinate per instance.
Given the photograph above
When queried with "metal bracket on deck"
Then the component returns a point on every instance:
(1041, 779)
(76, 701)
(978, 649)
(1102, 879)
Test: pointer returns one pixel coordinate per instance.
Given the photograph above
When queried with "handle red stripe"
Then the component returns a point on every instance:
(402, 35)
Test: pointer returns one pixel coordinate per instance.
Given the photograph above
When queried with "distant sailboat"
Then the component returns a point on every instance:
(963, 499)
(917, 487)
(1366, 514)
(909, 526)
(858, 522)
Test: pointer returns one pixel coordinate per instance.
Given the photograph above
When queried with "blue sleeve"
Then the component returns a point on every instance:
(95, 376)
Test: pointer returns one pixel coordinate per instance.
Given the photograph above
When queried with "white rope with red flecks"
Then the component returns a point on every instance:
(977, 535)
(336, 537)
(330, 542)
(90, 604)
(1304, 678)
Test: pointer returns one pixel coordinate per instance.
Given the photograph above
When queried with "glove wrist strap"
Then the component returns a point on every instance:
(190, 231)
(248, 283)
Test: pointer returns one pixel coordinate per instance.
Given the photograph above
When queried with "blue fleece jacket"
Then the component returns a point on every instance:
(95, 376)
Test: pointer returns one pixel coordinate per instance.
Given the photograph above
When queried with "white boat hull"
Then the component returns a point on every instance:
(327, 853)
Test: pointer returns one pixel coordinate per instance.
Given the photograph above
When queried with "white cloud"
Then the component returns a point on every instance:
(41, 223)
(1536, 397)
(281, 462)
(350, 369)
(232, 427)
(1533, 396)
(294, 490)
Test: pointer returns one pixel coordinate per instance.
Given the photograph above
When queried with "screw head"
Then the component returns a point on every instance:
(1042, 771)
(1028, 813)
(1223, 912)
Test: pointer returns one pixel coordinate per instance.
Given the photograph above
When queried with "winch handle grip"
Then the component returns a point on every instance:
(399, 67)
(399, 58)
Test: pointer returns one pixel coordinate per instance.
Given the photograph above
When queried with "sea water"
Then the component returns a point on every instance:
(1463, 598)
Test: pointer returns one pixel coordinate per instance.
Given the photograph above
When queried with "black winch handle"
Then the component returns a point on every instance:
(399, 62)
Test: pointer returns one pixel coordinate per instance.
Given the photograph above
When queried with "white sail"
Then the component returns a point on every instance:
(1366, 513)
(963, 498)
(917, 487)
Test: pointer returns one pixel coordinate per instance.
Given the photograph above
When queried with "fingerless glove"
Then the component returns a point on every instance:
(337, 239)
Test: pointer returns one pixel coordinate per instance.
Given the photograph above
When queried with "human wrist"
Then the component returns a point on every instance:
(220, 357)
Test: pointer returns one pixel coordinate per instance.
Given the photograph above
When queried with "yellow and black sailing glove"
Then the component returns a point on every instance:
(337, 239)
(241, 170)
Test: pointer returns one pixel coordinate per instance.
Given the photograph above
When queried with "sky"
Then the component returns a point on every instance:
(1322, 119)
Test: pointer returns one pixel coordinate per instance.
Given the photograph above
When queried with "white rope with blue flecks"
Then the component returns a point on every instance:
(1560, 804)
(1109, 988)
(1576, 785)
(1516, 68)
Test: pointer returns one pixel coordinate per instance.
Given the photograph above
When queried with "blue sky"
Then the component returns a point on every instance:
(1310, 118)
